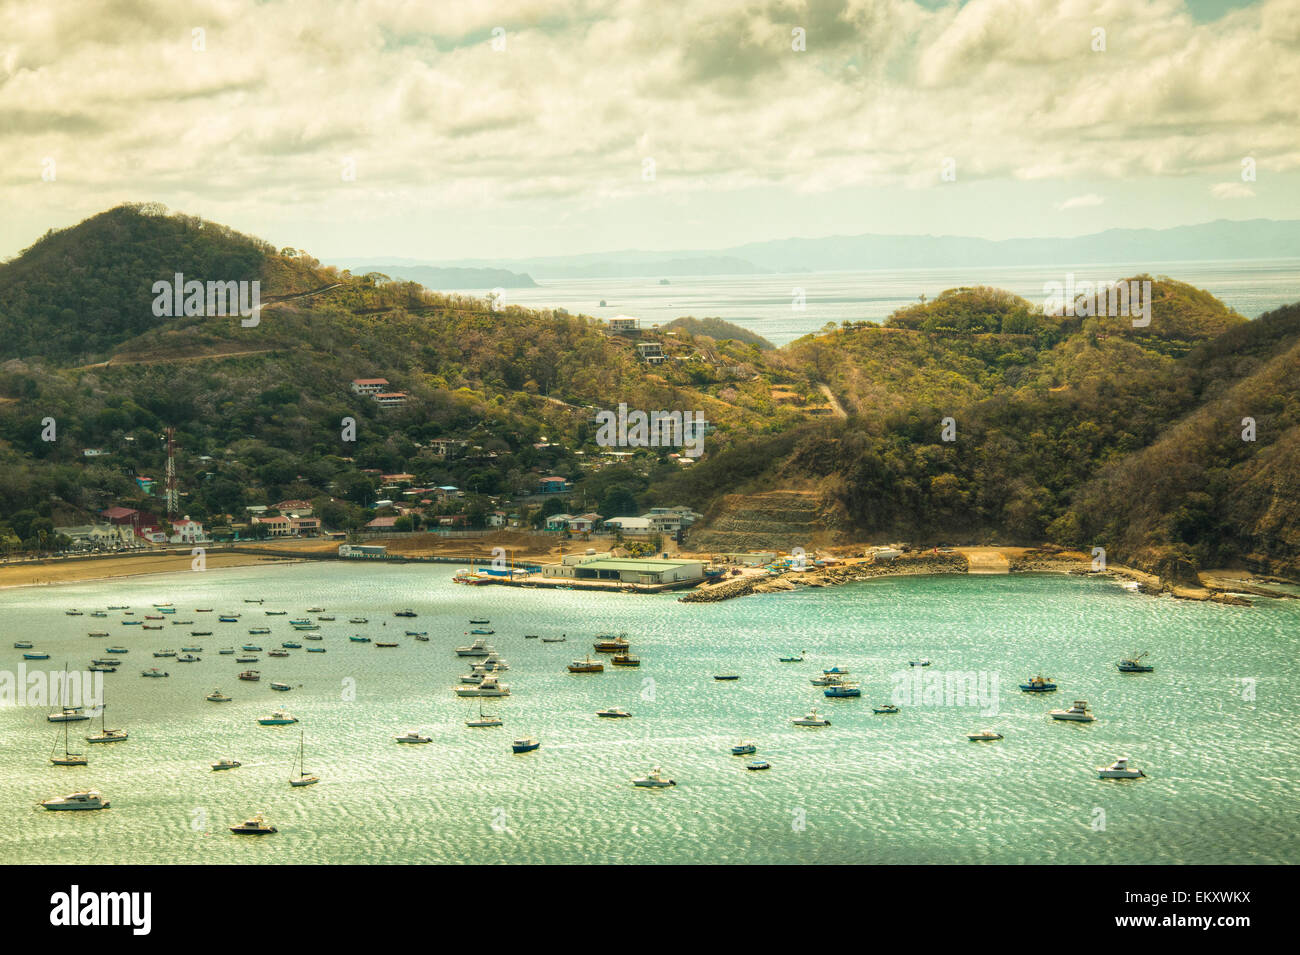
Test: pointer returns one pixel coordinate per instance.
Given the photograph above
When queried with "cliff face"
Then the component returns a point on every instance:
(771, 520)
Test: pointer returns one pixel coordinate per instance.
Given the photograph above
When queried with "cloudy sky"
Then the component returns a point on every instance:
(448, 129)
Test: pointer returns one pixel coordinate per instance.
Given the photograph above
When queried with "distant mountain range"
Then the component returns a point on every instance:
(1221, 239)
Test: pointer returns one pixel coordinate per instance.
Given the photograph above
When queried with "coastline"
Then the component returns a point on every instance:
(55, 572)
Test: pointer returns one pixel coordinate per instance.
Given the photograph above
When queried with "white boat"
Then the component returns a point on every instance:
(216, 696)
(302, 777)
(90, 799)
(1120, 770)
(67, 714)
(413, 736)
(813, 718)
(613, 713)
(923, 662)
(282, 687)
(226, 764)
(278, 718)
(1077, 713)
(256, 826)
(655, 779)
(484, 720)
(984, 736)
(106, 735)
(489, 687)
(745, 747)
(479, 648)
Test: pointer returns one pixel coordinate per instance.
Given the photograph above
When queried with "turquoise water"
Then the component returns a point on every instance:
(907, 788)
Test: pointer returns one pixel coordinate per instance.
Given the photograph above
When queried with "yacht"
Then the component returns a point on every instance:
(413, 736)
(586, 666)
(812, 719)
(1120, 770)
(484, 721)
(1134, 664)
(106, 735)
(744, 748)
(885, 708)
(1078, 713)
(758, 764)
(842, 690)
(90, 799)
(983, 736)
(526, 745)
(655, 779)
(216, 696)
(302, 777)
(225, 764)
(1039, 684)
(278, 718)
(67, 714)
(256, 826)
(613, 713)
(489, 687)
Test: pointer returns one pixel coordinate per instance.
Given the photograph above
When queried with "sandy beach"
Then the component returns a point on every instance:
(58, 571)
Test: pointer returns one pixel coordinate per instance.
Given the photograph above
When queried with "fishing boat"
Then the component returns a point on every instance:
(153, 616)
(359, 639)
(221, 764)
(168, 609)
(831, 680)
(246, 659)
(93, 633)
(291, 645)
(90, 799)
(302, 777)
(258, 631)
(1039, 684)
(164, 653)
(586, 666)
(1077, 713)
(792, 659)
(613, 713)
(251, 676)
(655, 779)
(155, 673)
(758, 764)
(479, 648)
(188, 658)
(277, 718)
(885, 708)
(726, 677)
(526, 745)
(813, 718)
(380, 643)
(408, 612)
(254, 826)
(1134, 664)
(36, 655)
(836, 671)
(120, 607)
(984, 736)
(358, 620)
(1119, 770)
(301, 623)
(842, 691)
(744, 748)
(559, 639)
(611, 644)
(23, 645)
(626, 660)
(488, 687)
(413, 736)
(216, 696)
(281, 687)
(182, 623)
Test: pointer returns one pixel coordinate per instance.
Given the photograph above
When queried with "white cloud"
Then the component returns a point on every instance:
(1080, 202)
(1232, 190)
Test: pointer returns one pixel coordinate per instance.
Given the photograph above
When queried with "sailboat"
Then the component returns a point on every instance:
(67, 759)
(302, 778)
(106, 735)
(484, 719)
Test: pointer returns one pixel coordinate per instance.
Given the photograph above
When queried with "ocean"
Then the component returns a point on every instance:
(1214, 726)
(766, 304)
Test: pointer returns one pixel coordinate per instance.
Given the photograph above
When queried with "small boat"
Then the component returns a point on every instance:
(227, 652)
(168, 609)
(885, 708)
(255, 826)
(984, 736)
(90, 799)
(313, 636)
(93, 633)
(481, 621)
(107, 663)
(315, 649)
(102, 668)
(182, 623)
(282, 687)
(1134, 664)
(758, 764)
(164, 653)
(481, 632)
(413, 736)
(301, 623)
(291, 645)
(328, 619)
(923, 662)
(611, 645)
(405, 613)
(225, 618)
(836, 671)
(120, 607)
(488, 687)
(277, 653)
(251, 676)
(147, 627)
(1120, 770)
(306, 627)
(153, 616)
(525, 745)
(812, 719)
(196, 609)
(726, 676)
(586, 666)
(302, 778)
(744, 748)
(381, 644)
(826, 680)
(246, 659)
(256, 600)
(116, 649)
(36, 656)
(250, 648)
(225, 764)
(655, 779)
(842, 691)
(132, 623)
(277, 718)
(479, 648)
(1077, 713)
(417, 633)
(276, 613)
(358, 620)
(216, 696)
(155, 672)
(792, 659)
(554, 639)
(530, 636)
(626, 660)
(73, 613)
(613, 713)
(188, 658)
(258, 631)
(98, 613)
(191, 649)
(359, 639)
(315, 609)
(200, 633)
(23, 645)
(1039, 684)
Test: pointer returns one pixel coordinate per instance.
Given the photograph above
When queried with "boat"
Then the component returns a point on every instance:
(358, 620)
(315, 649)
(277, 718)
(132, 623)
(359, 639)
(842, 690)
(102, 668)
(98, 613)
(196, 609)
(412, 736)
(417, 633)
(227, 652)
(885, 708)
(726, 676)
(147, 627)
(488, 687)
(1077, 713)
(405, 613)
(23, 645)
(106, 735)
(315, 609)
(655, 779)
(626, 660)
(831, 680)
(188, 658)
(200, 633)
(328, 619)
(191, 649)
(560, 639)
(278, 653)
(792, 659)
(291, 645)
(116, 649)
(758, 764)
(531, 636)
(224, 618)
(983, 736)
(73, 613)
(93, 633)
(302, 778)
(1039, 684)
(257, 600)
(155, 673)
(67, 714)
(836, 671)
(276, 613)
(249, 648)
(246, 659)
(744, 748)
(225, 764)
(313, 636)
(89, 799)
(586, 666)
(254, 826)
(382, 644)
(216, 696)
(168, 609)
(1120, 770)
(525, 745)
(1134, 664)
(282, 687)
(120, 607)
(813, 718)
(923, 662)
(258, 631)
(35, 655)
(182, 623)
(479, 631)
(480, 621)
(484, 720)
(613, 713)
(252, 676)
(611, 645)
(164, 653)
(306, 627)
(479, 648)
(68, 758)
(153, 616)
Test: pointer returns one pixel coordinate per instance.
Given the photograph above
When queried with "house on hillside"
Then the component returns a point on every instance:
(552, 485)
(369, 386)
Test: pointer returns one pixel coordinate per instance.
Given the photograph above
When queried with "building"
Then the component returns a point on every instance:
(275, 526)
(369, 386)
(381, 523)
(629, 570)
(362, 550)
(305, 526)
(584, 523)
(651, 353)
(300, 508)
(186, 531)
(389, 399)
(624, 325)
(445, 446)
(631, 526)
(552, 485)
(93, 453)
(558, 522)
(398, 480)
(91, 536)
(496, 519)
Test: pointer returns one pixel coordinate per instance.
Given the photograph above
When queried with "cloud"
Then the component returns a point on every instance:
(1079, 202)
(1232, 190)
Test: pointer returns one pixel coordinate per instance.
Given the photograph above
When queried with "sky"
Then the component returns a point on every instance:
(443, 130)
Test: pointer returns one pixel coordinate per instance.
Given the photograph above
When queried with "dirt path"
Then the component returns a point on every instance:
(836, 408)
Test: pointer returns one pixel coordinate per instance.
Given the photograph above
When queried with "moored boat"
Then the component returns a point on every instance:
(813, 718)
(984, 736)
(526, 745)
(1134, 664)
(655, 779)
(89, 799)
(586, 666)
(1039, 684)
(253, 826)
(1077, 713)
(1119, 769)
